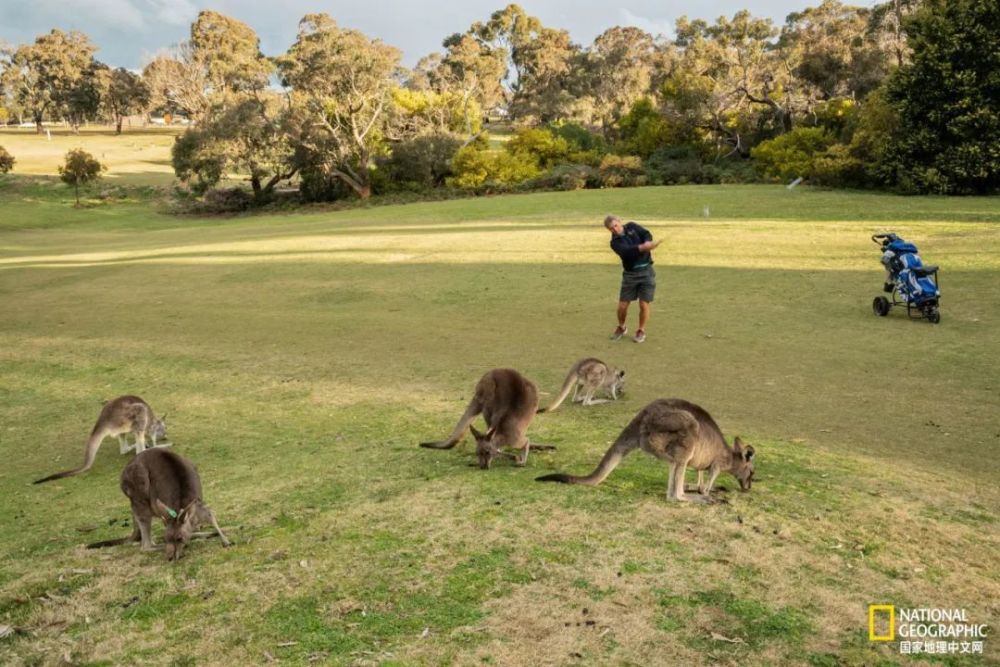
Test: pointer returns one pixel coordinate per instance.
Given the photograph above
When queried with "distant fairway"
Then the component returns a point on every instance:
(300, 358)
(135, 157)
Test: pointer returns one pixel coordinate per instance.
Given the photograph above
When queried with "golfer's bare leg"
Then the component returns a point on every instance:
(644, 310)
(622, 312)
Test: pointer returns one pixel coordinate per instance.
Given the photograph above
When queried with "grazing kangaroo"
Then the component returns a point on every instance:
(161, 483)
(508, 402)
(685, 435)
(593, 375)
(120, 416)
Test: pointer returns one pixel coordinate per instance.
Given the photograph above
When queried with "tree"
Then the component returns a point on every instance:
(341, 85)
(228, 50)
(887, 25)
(507, 34)
(177, 83)
(834, 50)
(124, 94)
(82, 100)
(43, 76)
(948, 139)
(6, 161)
(246, 137)
(220, 61)
(79, 169)
(618, 69)
(475, 72)
(545, 76)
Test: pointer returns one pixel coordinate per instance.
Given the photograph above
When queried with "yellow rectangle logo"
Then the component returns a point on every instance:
(891, 610)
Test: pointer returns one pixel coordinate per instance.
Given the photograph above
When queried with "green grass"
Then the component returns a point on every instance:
(300, 357)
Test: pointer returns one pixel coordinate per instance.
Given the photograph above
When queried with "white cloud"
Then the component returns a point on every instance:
(654, 27)
(174, 12)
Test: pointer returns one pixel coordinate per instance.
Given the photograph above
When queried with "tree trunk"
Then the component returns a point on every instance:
(118, 125)
(76, 187)
(38, 123)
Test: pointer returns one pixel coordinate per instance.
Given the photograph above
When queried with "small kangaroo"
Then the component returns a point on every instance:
(508, 402)
(120, 416)
(685, 435)
(593, 375)
(161, 483)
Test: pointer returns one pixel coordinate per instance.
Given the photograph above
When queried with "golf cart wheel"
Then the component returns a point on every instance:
(934, 316)
(881, 306)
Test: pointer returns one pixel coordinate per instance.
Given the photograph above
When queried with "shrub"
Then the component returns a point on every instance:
(644, 129)
(567, 177)
(474, 168)
(539, 145)
(675, 165)
(838, 167)
(621, 171)
(227, 200)
(80, 168)
(792, 154)
(580, 138)
(316, 186)
(422, 162)
(6, 161)
(191, 158)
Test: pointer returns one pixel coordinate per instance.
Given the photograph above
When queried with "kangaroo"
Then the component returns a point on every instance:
(161, 483)
(685, 435)
(591, 374)
(508, 402)
(120, 416)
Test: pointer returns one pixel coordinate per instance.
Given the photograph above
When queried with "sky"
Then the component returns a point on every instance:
(129, 33)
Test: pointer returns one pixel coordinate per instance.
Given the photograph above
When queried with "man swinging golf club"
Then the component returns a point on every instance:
(633, 244)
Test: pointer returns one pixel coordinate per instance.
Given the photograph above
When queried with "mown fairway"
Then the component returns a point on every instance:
(301, 357)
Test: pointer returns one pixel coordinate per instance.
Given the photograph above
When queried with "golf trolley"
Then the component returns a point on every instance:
(908, 282)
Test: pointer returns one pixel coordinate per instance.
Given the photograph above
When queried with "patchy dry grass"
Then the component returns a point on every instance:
(301, 357)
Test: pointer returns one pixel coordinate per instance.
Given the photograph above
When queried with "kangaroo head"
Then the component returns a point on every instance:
(179, 527)
(742, 465)
(618, 381)
(485, 451)
(158, 431)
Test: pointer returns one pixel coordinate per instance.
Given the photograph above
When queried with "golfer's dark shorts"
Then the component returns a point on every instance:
(638, 284)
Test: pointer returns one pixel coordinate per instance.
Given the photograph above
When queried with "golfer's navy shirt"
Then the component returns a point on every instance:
(627, 246)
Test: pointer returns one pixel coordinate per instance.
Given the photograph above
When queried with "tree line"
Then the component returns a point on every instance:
(903, 95)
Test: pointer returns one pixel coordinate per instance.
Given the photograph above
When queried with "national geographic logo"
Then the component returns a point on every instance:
(926, 629)
(881, 616)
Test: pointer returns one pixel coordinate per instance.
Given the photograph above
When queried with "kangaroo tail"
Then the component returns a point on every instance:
(611, 459)
(463, 425)
(93, 444)
(571, 379)
(134, 537)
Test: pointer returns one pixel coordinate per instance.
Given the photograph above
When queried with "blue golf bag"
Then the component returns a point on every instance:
(909, 282)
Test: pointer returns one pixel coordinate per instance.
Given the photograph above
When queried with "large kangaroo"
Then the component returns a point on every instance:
(508, 401)
(120, 416)
(685, 435)
(164, 484)
(593, 375)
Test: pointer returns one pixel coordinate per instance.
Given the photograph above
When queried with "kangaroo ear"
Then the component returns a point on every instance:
(476, 433)
(491, 432)
(621, 373)
(163, 418)
(164, 511)
(748, 453)
(738, 444)
(189, 513)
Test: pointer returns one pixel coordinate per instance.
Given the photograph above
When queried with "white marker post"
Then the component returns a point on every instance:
(793, 183)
